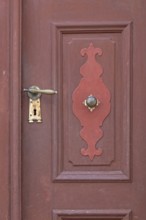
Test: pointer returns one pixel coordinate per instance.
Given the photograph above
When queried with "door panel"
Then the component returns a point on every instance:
(58, 182)
(114, 39)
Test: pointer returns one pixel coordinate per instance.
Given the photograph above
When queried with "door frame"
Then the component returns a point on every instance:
(15, 12)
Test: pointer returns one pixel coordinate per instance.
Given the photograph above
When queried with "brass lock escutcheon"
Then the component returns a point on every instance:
(34, 93)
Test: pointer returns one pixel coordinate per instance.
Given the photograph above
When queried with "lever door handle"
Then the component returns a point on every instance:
(34, 93)
(43, 91)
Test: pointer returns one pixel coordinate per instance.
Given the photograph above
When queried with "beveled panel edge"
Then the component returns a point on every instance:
(104, 27)
(58, 29)
(127, 99)
(88, 176)
(121, 214)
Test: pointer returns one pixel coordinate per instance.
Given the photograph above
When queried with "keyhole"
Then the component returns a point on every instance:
(34, 111)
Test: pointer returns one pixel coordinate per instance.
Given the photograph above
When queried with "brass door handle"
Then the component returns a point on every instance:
(34, 93)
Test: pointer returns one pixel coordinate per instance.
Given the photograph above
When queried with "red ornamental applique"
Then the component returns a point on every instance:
(91, 102)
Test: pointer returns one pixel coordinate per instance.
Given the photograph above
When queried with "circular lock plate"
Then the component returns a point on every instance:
(34, 95)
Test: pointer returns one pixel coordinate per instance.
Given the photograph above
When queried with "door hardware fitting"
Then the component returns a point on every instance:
(34, 93)
(91, 102)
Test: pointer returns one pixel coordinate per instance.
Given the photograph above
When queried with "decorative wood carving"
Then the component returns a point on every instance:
(91, 85)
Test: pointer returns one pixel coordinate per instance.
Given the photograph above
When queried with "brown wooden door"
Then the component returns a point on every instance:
(58, 182)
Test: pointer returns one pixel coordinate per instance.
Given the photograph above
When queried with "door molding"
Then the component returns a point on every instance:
(15, 107)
